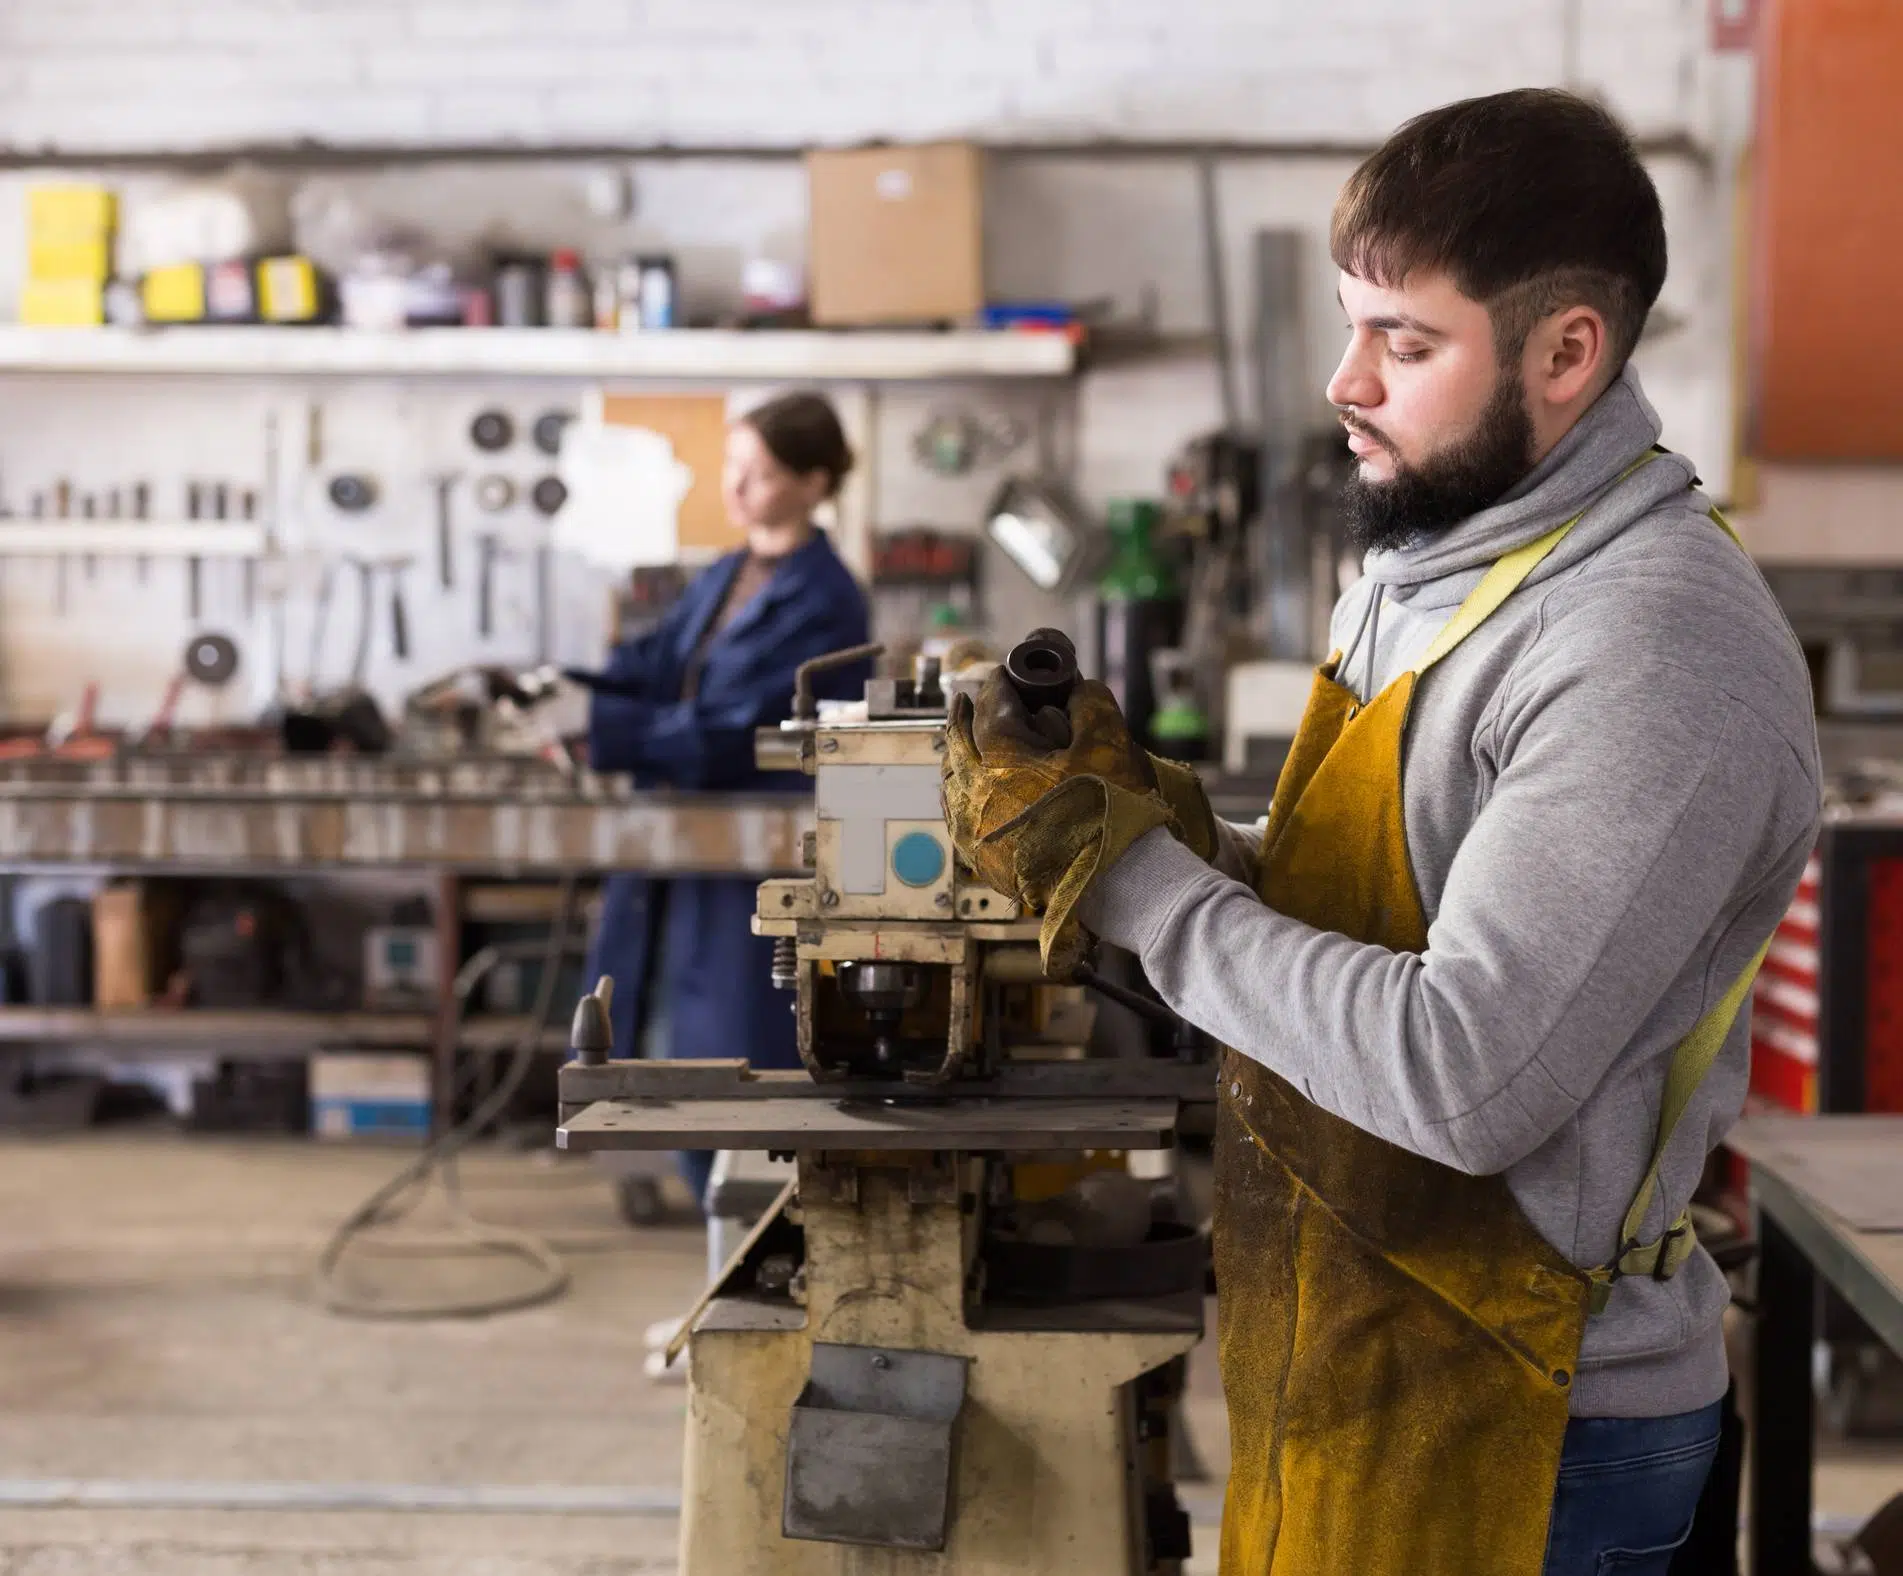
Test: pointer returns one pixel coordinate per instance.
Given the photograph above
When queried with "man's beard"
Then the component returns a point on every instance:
(1421, 502)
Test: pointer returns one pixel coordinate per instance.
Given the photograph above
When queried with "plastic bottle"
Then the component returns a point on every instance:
(568, 302)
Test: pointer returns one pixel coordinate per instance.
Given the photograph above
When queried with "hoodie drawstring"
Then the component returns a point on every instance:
(1370, 626)
(1374, 640)
(1348, 655)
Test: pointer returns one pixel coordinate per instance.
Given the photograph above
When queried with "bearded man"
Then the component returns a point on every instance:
(1480, 969)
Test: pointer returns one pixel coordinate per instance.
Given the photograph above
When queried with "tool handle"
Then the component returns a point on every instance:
(1042, 668)
(488, 548)
(366, 616)
(590, 1035)
(161, 722)
(805, 706)
(399, 626)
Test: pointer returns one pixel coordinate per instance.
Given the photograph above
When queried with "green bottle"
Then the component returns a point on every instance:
(1137, 572)
(1140, 610)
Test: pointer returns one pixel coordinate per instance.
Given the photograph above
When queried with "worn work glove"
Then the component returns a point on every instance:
(1182, 790)
(1038, 806)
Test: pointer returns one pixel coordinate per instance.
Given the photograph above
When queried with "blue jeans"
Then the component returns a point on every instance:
(1627, 1489)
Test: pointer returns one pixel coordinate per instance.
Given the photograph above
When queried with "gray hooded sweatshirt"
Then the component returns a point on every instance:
(1610, 790)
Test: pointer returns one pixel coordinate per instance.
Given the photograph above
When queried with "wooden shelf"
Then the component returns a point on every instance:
(194, 1031)
(709, 355)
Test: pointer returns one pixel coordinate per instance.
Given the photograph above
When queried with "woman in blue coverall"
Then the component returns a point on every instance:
(678, 708)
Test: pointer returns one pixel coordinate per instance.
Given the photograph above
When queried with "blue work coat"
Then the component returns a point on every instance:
(718, 974)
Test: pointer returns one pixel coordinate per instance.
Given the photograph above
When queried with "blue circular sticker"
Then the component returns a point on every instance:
(918, 859)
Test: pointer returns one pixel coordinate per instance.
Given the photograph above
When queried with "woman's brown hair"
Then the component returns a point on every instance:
(801, 430)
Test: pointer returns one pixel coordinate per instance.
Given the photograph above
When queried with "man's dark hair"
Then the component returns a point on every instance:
(801, 430)
(1530, 201)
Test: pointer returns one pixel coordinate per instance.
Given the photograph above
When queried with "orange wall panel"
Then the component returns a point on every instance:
(1827, 362)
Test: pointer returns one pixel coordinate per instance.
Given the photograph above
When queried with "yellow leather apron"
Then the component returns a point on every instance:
(1397, 1341)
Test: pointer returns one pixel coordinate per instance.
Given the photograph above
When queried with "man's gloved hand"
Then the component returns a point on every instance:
(1182, 790)
(1038, 805)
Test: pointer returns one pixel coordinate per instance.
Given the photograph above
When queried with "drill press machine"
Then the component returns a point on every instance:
(956, 1342)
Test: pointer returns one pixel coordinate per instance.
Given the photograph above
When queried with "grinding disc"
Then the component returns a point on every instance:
(548, 429)
(492, 431)
(211, 659)
(549, 494)
(494, 492)
(352, 492)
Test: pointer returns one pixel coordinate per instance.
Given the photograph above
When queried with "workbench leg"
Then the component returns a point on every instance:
(449, 950)
(1782, 1444)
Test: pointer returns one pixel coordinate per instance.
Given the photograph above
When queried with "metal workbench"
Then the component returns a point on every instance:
(503, 817)
(1829, 1192)
(197, 812)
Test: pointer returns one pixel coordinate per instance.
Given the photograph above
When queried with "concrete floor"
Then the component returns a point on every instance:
(157, 1324)
(157, 1327)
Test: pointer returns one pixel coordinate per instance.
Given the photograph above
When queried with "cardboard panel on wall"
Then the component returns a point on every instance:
(1829, 230)
(696, 425)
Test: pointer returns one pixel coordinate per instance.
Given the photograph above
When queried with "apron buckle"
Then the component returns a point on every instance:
(1675, 1247)
(1609, 1275)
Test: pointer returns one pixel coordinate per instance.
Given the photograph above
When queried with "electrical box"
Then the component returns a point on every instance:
(400, 968)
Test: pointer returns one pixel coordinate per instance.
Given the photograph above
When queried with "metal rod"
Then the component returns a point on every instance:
(1123, 996)
(1209, 211)
(1280, 539)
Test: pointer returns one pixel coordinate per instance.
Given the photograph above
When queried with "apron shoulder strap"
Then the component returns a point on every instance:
(1506, 576)
(1693, 1057)
(1691, 1060)
(1724, 525)
(1496, 585)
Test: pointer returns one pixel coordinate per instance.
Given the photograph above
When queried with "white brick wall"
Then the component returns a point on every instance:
(102, 75)
(81, 76)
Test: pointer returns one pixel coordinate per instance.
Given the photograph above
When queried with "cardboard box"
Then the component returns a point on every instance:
(135, 943)
(896, 234)
(370, 1095)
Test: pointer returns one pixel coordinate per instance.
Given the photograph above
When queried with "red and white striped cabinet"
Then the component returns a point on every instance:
(1784, 1004)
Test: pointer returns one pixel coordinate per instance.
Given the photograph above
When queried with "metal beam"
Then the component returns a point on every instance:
(1103, 1079)
(787, 1123)
(479, 817)
(222, 833)
(312, 154)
